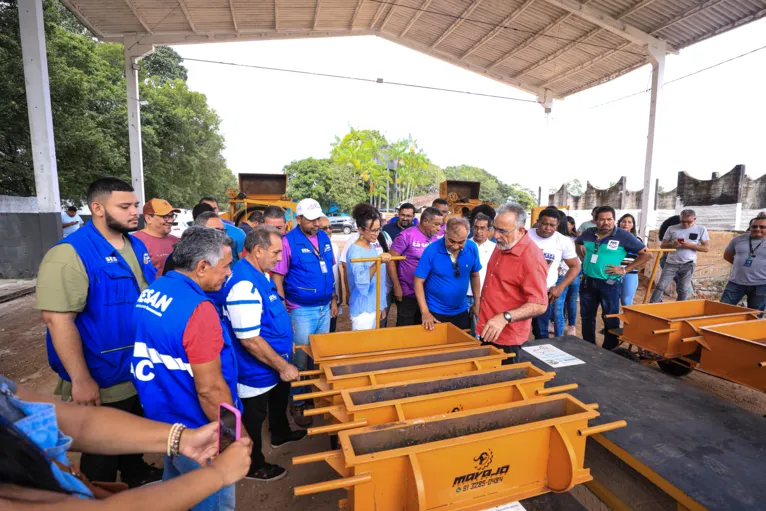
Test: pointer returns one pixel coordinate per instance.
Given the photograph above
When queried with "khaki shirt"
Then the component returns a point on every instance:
(62, 286)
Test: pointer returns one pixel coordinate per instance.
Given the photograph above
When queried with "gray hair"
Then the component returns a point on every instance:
(202, 218)
(261, 237)
(515, 208)
(481, 217)
(200, 244)
(458, 221)
(688, 213)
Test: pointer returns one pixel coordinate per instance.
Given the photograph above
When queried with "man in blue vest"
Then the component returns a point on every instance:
(263, 341)
(304, 278)
(86, 288)
(183, 363)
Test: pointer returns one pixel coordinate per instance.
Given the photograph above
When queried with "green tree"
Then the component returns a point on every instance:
(523, 196)
(164, 64)
(182, 142)
(326, 182)
(491, 187)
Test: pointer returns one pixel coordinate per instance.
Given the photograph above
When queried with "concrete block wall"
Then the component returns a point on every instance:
(26, 237)
(724, 202)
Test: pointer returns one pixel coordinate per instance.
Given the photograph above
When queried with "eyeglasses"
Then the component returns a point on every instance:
(373, 231)
(504, 232)
(456, 268)
(168, 218)
(758, 227)
(327, 229)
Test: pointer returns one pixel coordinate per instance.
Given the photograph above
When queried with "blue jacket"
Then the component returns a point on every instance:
(305, 283)
(275, 327)
(161, 370)
(105, 325)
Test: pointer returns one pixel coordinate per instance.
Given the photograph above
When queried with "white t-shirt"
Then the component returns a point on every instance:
(485, 252)
(65, 219)
(244, 309)
(555, 249)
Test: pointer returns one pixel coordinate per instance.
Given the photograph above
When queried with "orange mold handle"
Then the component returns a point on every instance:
(562, 462)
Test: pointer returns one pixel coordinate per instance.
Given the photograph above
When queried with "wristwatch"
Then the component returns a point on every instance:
(508, 317)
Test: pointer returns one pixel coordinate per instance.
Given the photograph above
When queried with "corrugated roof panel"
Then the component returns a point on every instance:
(544, 43)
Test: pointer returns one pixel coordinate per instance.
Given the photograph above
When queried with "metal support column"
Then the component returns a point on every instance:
(133, 53)
(546, 101)
(648, 214)
(39, 105)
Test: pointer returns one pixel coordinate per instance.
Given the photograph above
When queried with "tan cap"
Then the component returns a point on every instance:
(159, 207)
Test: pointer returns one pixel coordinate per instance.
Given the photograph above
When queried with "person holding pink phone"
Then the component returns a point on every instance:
(38, 431)
(183, 362)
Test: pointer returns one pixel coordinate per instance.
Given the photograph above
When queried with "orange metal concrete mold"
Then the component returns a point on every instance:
(385, 342)
(381, 404)
(467, 460)
(737, 352)
(345, 375)
(671, 329)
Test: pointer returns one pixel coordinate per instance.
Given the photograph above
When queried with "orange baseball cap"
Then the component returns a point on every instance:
(159, 207)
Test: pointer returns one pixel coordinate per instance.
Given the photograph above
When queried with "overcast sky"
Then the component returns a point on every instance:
(708, 122)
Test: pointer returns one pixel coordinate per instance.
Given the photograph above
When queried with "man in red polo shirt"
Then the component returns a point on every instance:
(515, 287)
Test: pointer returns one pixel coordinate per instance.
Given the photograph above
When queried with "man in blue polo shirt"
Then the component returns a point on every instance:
(602, 250)
(443, 275)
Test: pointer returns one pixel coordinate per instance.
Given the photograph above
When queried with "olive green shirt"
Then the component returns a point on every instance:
(62, 286)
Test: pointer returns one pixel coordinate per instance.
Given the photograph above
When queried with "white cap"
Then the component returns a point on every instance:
(309, 209)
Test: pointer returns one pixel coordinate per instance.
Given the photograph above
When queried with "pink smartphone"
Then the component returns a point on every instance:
(229, 426)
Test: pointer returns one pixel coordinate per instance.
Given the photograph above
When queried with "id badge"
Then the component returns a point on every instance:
(749, 262)
(593, 259)
(323, 266)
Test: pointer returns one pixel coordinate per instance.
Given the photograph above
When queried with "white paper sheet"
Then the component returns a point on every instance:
(552, 356)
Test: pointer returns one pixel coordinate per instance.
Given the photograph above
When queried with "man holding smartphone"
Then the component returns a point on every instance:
(263, 333)
(183, 363)
(688, 239)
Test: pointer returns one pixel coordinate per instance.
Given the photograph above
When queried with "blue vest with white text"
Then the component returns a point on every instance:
(276, 327)
(105, 325)
(161, 370)
(305, 284)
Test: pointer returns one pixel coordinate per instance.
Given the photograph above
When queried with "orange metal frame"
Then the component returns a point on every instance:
(467, 460)
(364, 345)
(399, 368)
(411, 400)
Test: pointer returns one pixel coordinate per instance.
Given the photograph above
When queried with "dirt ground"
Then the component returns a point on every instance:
(23, 358)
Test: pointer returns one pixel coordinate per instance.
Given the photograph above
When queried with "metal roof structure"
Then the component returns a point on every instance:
(550, 48)
(558, 47)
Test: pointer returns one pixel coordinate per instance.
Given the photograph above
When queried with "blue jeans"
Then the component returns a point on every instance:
(629, 286)
(756, 295)
(307, 321)
(556, 311)
(223, 500)
(570, 301)
(606, 294)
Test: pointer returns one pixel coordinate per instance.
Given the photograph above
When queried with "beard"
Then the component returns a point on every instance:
(113, 224)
